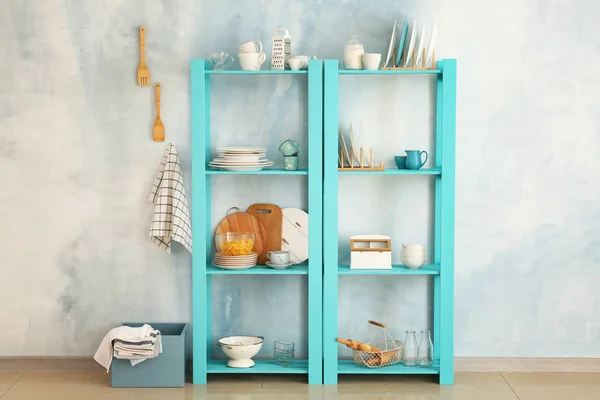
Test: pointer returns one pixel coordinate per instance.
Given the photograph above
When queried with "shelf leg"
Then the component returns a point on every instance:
(447, 244)
(315, 209)
(330, 224)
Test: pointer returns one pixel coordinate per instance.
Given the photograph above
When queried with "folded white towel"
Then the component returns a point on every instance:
(137, 354)
(104, 354)
(171, 219)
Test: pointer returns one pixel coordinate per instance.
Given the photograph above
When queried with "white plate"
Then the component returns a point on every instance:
(240, 166)
(421, 47)
(355, 148)
(241, 150)
(248, 264)
(411, 45)
(363, 144)
(278, 266)
(431, 46)
(240, 169)
(228, 162)
(235, 258)
(392, 45)
(344, 148)
(234, 268)
(234, 163)
(294, 234)
(241, 155)
(241, 158)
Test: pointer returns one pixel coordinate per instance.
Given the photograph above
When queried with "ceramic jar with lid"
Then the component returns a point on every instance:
(353, 53)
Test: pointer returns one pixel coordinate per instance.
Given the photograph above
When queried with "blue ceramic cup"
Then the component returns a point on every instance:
(400, 162)
(289, 147)
(290, 163)
(414, 159)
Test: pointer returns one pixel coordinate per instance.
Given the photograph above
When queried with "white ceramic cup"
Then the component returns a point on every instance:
(303, 59)
(296, 64)
(279, 257)
(371, 61)
(252, 61)
(251, 47)
(413, 262)
(414, 247)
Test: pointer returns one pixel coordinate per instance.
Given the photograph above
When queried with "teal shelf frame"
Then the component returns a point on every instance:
(203, 270)
(442, 271)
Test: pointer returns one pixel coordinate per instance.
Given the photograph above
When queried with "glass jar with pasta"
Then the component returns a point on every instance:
(235, 243)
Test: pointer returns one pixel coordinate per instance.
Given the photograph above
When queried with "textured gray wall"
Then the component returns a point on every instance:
(77, 163)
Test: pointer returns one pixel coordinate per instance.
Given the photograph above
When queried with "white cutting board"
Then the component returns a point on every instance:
(294, 234)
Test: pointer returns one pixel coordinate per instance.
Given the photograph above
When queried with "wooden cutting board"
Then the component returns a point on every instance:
(271, 217)
(294, 235)
(244, 222)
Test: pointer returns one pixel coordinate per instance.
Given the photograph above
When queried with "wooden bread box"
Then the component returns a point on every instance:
(370, 252)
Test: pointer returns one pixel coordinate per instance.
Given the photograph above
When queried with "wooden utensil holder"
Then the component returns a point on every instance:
(361, 165)
(423, 65)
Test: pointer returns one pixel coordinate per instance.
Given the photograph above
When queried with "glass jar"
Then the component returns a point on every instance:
(353, 53)
(425, 350)
(411, 349)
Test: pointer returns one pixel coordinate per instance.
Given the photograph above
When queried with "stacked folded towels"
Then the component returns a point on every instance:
(133, 344)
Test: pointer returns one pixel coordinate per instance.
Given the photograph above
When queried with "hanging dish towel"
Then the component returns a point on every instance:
(171, 219)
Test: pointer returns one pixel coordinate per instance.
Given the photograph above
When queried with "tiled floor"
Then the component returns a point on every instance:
(468, 386)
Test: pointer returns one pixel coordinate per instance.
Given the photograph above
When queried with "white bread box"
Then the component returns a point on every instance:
(370, 252)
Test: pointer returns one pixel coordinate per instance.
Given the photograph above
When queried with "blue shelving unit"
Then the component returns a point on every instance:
(203, 270)
(442, 271)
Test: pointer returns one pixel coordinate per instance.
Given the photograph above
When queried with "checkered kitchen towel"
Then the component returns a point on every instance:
(171, 219)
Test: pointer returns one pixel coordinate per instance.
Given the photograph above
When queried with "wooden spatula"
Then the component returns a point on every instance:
(158, 130)
(143, 74)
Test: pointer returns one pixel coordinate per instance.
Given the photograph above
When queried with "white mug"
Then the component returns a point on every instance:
(296, 64)
(279, 257)
(303, 59)
(371, 61)
(251, 47)
(252, 61)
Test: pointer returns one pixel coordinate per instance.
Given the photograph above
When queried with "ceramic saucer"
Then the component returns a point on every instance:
(278, 266)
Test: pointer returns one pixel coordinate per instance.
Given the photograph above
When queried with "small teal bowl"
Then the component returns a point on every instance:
(400, 162)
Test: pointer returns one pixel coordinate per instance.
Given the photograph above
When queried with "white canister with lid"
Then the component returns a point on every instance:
(353, 53)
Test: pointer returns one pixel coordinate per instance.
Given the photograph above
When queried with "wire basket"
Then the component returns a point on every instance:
(390, 351)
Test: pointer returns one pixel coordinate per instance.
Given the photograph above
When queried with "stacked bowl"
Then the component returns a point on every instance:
(414, 256)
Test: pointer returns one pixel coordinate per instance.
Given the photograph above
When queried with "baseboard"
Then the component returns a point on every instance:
(506, 364)
(49, 364)
(461, 364)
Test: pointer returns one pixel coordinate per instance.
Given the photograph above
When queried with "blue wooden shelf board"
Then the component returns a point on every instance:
(349, 367)
(396, 270)
(301, 269)
(263, 366)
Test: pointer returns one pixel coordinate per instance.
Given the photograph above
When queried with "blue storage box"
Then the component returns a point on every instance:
(166, 370)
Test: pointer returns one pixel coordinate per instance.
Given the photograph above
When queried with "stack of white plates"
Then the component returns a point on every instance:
(244, 159)
(235, 262)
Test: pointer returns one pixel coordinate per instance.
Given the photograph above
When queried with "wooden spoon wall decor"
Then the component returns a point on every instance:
(158, 130)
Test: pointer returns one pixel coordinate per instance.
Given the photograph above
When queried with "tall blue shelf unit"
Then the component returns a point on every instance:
(203, 270)
(442, 269)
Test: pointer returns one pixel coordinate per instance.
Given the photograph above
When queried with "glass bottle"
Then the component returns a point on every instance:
(411, 349)
(425, 350)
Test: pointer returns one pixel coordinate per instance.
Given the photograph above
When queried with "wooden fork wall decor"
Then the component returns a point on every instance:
(143, 73)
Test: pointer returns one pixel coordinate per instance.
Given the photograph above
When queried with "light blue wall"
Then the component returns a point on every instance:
(77, 163)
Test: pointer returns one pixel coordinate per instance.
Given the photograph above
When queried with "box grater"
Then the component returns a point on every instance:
(282, 49)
